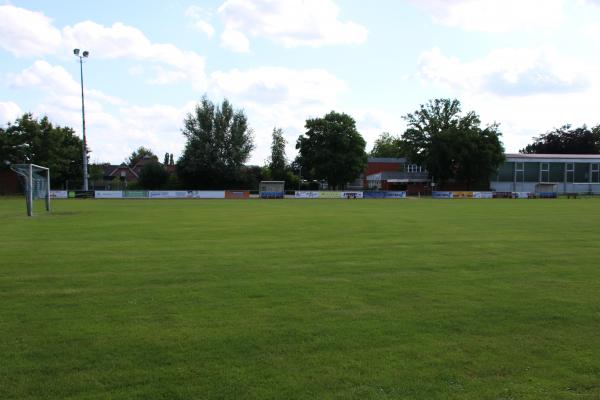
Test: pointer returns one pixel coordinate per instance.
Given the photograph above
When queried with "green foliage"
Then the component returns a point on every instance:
(387, 145)
(450, 145)
(278, 163)
(153, 176)
(139, 154)
(29, 140)
(219, 141)
(332, 149)
(566, 140)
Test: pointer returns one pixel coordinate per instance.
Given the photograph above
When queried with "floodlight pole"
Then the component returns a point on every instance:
(85, 160)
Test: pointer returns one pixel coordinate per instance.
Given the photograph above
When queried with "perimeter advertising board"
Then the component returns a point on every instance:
(304, 194)
(237, 194)
(462, 195)
(135, 194)
(108, 194)
(395, 195)
(169, 194)
(330, 195)
(352, 195)
(59, 194)
(208, 194)
(483, 195)
(441, 195)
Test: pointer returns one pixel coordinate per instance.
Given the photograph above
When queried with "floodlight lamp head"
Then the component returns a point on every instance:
(86, 53)
(76, 52)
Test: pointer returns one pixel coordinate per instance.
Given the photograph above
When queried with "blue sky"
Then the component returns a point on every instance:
(530, 65)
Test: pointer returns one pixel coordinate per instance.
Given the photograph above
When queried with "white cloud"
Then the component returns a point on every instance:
(291, 23)
(114, 128)
(200, 18)
(278, 96)
(9, 111)
(235, 41)
(506, 72)
(123, 41)
(278, 85)
(495, 15)
(27, 33)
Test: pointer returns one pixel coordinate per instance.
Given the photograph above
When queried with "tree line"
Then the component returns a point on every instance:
(451, 144)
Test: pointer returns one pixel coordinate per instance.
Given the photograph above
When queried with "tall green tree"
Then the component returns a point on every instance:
(566, 140)
(38, 141)
(387, 145)
(153, 176)
(452, 145)
(219, 142)
(278, 162)
(139, 154)
(166, 159)
(332, 149)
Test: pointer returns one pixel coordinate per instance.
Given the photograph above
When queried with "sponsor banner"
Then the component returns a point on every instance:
(108, 194)
(441, 195)
(548, 195)
(462, 195)
(330, 195)
(272, 195)
(502, 195)
(135, 194)
(374, 195)
(59, 194)
(237, 194)
(352, 195)
(483, 195)
(169, 194)
(302, 194)
(520, 195)
(81, 194)
(395, 195)
(208, 194)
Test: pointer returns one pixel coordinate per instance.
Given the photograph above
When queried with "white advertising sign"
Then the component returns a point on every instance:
(209, 194)
(351, 195)
(59, 194)
(301, 194)
(108, 194)
(483, 195)
(169, 194)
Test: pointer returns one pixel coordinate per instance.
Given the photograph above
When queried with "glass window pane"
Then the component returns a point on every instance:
(582, 172)
(505, 172)
(532, 172)
(557, 172)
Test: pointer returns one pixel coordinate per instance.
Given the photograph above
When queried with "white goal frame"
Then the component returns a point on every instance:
(26, 172)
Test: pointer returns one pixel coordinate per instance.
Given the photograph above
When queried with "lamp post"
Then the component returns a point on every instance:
(83, 55)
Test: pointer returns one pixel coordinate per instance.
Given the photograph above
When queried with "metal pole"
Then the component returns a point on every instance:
(85, 162)
(48, 190)
(30, 192)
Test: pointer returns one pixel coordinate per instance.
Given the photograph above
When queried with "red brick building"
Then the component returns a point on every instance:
(396, 174)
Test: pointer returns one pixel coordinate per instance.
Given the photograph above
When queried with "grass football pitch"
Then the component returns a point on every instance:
(300, 299)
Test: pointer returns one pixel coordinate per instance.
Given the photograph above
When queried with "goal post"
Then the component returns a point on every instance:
(36, 181)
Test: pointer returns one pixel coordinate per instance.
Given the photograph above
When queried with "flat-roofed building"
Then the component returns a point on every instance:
(562, 173)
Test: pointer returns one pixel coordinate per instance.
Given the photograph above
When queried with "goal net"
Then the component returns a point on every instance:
(36, 182)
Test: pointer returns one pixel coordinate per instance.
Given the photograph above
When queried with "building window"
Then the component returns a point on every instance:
(595, 173)
(413, 168)
(519, 172)
(570, 170)
(545, 172)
